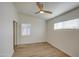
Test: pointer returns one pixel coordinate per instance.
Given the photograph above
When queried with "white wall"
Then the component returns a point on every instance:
(37, 30)
(7, 15)
(65, 40)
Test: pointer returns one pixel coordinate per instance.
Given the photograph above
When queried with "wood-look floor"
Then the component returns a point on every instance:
(38, 50)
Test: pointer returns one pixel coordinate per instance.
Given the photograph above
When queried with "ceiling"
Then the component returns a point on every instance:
(57, 8)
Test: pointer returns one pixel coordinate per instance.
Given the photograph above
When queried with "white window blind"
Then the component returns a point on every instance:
(70, 24)
(25, 29)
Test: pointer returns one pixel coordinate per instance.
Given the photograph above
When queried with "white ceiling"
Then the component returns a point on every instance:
(56, 7)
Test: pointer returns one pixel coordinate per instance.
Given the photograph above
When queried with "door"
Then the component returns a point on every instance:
(14, 34)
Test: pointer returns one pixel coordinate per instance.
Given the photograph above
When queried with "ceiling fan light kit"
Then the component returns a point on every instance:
(41, 12)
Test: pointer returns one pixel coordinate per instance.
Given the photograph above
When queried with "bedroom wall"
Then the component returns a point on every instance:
(37, 29)
(7, 15)
(65, 40)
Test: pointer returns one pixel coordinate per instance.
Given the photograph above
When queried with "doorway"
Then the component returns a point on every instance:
(14, 34)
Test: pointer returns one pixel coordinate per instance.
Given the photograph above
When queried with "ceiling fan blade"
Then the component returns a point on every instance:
(37, 12)
(47, 11)
(40, 6)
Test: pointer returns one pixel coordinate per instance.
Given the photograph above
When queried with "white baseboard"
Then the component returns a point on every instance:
(31, 42)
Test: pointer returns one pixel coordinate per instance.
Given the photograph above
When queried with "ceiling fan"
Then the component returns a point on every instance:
(41, 10)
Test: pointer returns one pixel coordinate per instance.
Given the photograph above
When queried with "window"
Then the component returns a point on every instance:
(58, 25)
(70, 24)
(25, 29)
